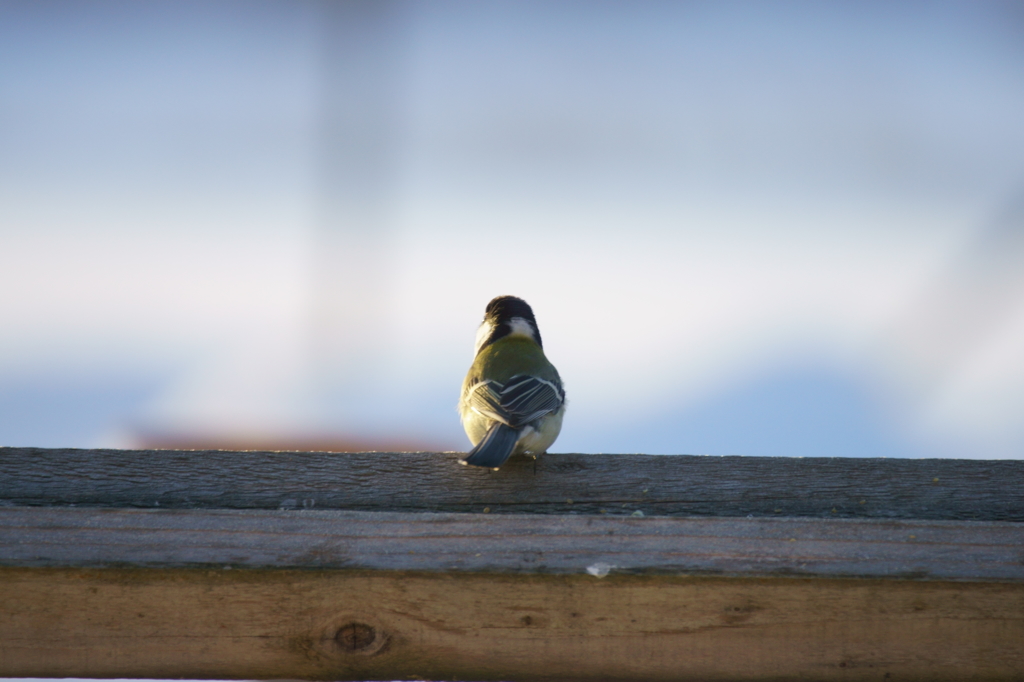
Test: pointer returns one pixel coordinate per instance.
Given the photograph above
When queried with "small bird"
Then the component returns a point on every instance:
(512, 399)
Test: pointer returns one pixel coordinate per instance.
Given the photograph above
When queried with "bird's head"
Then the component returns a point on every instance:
(507, 316)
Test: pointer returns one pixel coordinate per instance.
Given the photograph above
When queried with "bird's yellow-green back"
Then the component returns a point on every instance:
(507, 357)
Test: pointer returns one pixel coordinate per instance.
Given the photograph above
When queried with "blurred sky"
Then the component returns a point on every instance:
(745, 228)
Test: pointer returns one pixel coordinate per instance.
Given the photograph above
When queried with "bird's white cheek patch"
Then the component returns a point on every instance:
(482, 334)
(520, 327)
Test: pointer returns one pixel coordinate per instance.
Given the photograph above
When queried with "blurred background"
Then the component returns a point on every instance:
(745, 228)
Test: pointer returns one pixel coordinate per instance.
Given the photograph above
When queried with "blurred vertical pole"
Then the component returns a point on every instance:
(972, 296)
(356, 155)
(948, 326)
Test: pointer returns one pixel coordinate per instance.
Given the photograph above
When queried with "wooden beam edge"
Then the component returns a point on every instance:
(512, 543)
(662, 485)
(391, 625)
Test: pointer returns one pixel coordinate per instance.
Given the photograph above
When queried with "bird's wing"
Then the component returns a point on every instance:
(519, 401)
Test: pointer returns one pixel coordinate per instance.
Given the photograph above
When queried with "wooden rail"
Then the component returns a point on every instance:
(214, 564)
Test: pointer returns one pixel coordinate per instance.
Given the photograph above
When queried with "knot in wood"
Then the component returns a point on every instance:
(354, 637)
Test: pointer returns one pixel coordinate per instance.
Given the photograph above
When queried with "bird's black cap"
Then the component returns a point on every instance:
(504, 308)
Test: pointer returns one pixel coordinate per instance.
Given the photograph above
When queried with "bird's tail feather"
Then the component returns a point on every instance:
(495, 447)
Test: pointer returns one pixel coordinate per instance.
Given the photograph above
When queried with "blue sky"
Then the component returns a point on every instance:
(745, 228)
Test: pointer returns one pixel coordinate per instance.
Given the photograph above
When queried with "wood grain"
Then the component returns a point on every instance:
(358, 625)
(512, 543)
(935, 489)
(264, 565)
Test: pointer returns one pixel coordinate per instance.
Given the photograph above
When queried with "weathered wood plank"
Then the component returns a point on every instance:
(355, 567)
(558, 484)
(512, 543)
(354, 625)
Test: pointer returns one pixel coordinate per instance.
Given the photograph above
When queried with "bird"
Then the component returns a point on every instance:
(512, 399)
